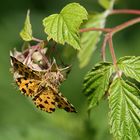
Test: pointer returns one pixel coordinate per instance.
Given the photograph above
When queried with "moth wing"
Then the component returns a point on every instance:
(45, 100)
(28, 87)
(23, 69)
(63, 103)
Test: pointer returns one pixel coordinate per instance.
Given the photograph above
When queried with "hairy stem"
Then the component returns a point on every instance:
(113, 55)
(103, 54)
(112, 50)
(115, 30)
(125, 25)
(95, 29)
(125, 11)
(111, 31)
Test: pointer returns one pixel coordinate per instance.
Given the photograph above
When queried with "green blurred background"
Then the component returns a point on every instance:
(19, 118)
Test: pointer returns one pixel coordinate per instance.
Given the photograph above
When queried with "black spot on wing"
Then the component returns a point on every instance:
(25, 78)
(16, 65)
(67, 109)
(31, 91)
(59, 106)
(57, 99)
(52, 109)
(18, 80)
(26, 74)
(20, 73)
(30, 82)
(53, 103)
(41, 106)
(39, 99)
(26, 84)
(23, 90)
(46, 102)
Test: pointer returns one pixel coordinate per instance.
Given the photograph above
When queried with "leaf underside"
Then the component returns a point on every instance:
(90, 39)
(96, 83)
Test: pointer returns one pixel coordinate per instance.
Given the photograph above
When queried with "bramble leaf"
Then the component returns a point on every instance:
(106, 4)
(90, 39)
(124, 103)
(64, 27)
(96, 83)
(130, 66)
(26, 32)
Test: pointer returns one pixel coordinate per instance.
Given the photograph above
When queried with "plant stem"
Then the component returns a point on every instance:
(112, 50)
(125, 25)
(125, 11)
(111, 31)
(115, 29)
(95, 29)
(113, 55)
(103, 54)
(37, 40)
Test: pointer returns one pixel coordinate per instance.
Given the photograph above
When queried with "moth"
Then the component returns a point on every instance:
(41, 86)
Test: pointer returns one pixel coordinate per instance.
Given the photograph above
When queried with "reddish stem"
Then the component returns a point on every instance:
(95, 29)
(113, 54)
(110, 33)
(112, 50)
(103, 54)
(125, 11)
(115, 29)
(125, 25)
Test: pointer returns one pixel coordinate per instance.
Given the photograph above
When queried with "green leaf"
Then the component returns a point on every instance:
(106, 4)
(26, 32)
(64, 27)
(124, 103)
(130, 66)
(90, 39)
(96, 83)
